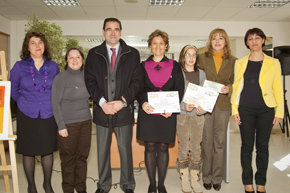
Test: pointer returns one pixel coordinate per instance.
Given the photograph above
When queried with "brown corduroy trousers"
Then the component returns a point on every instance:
(74, 151)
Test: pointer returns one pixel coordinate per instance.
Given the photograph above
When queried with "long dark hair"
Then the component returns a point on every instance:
(25, 53)
(81, 53)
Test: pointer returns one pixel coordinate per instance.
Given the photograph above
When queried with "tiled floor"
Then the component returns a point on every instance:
(277, 182)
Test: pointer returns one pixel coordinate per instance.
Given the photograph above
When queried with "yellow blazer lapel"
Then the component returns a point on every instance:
(265, 66)
(244, 64)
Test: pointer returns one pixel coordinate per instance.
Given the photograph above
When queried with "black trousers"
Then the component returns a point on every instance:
(257, 123)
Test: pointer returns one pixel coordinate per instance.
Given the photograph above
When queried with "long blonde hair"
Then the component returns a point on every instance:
(181, 60)
(227, 48)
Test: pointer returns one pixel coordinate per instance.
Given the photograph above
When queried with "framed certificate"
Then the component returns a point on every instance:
(5, 87)
(164, 102)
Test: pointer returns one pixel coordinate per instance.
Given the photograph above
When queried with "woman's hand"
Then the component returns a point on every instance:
(63, 132)
(237, 119)
(276, 120)
(189, 107)
(147, 108)
(225, 89)
(166, 115)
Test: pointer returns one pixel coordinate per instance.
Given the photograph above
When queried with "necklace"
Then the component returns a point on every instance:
(42, 89)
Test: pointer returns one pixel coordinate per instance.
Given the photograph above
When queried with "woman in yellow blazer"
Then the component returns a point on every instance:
(257, 104)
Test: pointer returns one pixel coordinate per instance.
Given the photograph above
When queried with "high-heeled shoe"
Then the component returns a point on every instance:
(249, 186)
(152, 189)
(47, 188)
(261, 187)
(162, 189)
(31, 190)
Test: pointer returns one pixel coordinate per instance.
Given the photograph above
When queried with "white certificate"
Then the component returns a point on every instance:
(167, 101)
(200, 96)
(217, 87)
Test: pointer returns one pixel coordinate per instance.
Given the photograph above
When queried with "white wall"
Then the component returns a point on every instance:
(280, 31)
(5, 25)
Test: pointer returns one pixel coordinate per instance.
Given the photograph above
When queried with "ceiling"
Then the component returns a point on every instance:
(196, 10)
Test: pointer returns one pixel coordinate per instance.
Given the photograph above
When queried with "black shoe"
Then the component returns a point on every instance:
(249, 191)
(260, 192)
(162, 189)
(152, 189)
(128, 191)
(101, 191)
(217, 187)
(207, 186)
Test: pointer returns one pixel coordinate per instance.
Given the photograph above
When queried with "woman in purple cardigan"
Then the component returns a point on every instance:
(31, 81)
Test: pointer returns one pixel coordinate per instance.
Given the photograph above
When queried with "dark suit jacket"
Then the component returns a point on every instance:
(128, 82)
(225, 76)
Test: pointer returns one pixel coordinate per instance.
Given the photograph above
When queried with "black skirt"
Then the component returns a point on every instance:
(35, 136)
(156, 128)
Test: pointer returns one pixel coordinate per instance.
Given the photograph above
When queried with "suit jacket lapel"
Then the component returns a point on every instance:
(223, 66)
(212, 66)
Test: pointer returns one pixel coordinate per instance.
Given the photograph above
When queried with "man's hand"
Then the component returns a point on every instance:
(108, 108)
(117, 105)
(147, 108)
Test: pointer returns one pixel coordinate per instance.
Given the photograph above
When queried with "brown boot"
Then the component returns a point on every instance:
(185, 184)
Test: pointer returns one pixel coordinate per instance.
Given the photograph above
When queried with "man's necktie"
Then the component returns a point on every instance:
(113, 58)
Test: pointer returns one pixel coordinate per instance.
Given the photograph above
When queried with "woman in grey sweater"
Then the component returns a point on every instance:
(71, 111)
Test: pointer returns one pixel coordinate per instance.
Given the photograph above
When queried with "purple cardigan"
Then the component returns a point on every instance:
(26, 92)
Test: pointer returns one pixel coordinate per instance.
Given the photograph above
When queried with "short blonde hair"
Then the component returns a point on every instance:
(160, 33)
(223, 33)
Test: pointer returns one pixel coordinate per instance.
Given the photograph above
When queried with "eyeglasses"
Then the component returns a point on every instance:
(190, 55)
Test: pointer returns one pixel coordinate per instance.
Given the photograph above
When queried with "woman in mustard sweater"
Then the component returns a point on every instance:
(218, 64)
(257, 104)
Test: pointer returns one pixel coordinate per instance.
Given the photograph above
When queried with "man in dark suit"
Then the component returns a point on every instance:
(113, 79)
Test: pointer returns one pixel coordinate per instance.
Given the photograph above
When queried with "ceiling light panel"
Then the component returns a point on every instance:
(166, 2)
(269, 3)
(61, 2)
